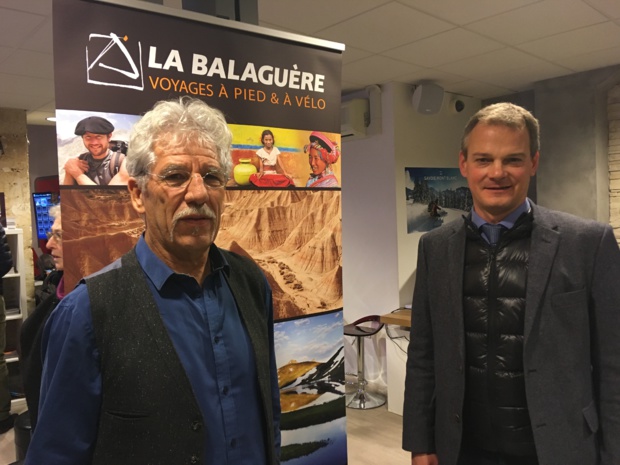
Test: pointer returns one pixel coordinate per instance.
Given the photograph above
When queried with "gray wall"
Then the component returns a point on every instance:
(573, 173)
(42, 152)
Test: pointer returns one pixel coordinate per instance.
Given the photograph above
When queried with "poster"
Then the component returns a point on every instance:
(114, 62)
(435, 196)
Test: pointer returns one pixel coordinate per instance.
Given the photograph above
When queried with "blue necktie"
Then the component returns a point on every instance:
(493, 232)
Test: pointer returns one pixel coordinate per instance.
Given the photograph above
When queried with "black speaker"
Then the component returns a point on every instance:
(427, 98)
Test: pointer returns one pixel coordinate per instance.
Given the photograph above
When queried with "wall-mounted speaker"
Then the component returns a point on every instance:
(427, 98)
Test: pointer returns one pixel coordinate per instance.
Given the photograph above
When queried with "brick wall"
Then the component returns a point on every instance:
(15, 183)
(613, 109)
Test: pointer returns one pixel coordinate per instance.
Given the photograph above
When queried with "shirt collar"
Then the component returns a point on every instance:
(507, 222)
(158, 272)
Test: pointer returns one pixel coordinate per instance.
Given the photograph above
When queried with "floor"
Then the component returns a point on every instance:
(7, 448)
(7, 440)
(373, 437)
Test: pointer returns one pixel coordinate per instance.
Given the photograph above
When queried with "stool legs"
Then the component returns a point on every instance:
(361, 398)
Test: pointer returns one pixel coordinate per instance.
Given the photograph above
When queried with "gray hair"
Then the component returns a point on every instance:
(505, 114)
(54, 211)
(177, 123)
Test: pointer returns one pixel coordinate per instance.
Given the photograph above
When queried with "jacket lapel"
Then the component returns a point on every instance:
(454, 281)
(543, 248)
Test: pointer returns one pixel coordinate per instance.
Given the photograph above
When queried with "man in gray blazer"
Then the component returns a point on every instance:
(515, 335)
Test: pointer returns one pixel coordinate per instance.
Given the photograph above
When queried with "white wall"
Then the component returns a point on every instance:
(379, 257)
(422, 141)
(369, 242)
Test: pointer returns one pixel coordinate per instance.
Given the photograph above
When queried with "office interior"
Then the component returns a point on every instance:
(576, 100)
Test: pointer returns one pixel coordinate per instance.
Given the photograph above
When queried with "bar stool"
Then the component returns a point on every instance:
(363, 399)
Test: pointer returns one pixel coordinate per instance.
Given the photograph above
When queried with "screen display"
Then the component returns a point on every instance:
(42, 203)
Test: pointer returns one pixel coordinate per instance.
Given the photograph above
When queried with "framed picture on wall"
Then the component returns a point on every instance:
(435, 196)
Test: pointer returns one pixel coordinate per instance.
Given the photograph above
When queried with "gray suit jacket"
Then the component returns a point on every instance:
(571, 352)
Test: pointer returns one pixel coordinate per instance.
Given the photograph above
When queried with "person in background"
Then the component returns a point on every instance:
(271, 173)
(31, 363)
(433, 208)
(322, 153)
(514, 356)
(100, 166)
(6, 264)
(166, 356)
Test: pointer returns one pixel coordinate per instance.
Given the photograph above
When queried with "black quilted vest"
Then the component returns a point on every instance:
(149, 415)
(496, 416)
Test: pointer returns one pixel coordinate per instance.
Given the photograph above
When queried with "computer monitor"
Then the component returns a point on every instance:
(43, 201)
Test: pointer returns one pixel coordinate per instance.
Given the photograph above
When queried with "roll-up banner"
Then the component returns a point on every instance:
(280, 93)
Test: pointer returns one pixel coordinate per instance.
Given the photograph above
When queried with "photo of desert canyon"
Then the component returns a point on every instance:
(294, 236)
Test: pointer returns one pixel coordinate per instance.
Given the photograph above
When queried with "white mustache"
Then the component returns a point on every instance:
(203, 210)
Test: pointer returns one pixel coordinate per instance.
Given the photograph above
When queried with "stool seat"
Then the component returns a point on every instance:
(362, 398)
(360, 331)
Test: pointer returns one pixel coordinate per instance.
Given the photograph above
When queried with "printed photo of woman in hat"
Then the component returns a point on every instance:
(322, 153)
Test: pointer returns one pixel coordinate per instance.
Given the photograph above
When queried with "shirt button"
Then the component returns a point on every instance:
(457, 418)
(194, 459)
(216, 339)
(225, 390)
(196, 425)
(233, 443)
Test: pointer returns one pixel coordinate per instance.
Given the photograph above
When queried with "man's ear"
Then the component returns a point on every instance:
(535, 160)
(136, 195)
(463, 164)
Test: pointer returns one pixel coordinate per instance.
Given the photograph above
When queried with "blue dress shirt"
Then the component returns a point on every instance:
(507, 222)
(213, 346)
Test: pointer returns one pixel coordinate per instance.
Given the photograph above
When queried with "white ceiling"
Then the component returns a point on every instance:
(478, 48)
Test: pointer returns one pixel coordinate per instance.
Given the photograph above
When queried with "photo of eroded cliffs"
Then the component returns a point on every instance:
(295, 237)
(99, 225)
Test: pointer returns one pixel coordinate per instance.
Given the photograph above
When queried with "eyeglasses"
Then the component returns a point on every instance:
(179, 179)
(54, 234)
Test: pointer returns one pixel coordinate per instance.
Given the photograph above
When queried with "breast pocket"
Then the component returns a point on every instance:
(569, 299)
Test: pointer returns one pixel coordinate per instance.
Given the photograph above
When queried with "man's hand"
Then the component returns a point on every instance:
(424, 459)
(75, 167)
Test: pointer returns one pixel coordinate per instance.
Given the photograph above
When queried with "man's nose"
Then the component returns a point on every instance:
(197, 192)
(497, 169)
